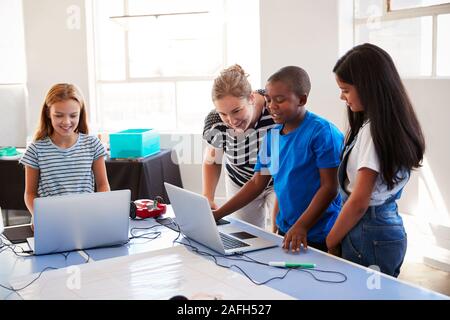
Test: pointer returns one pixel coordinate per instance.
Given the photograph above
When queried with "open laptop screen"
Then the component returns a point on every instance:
(81, 221)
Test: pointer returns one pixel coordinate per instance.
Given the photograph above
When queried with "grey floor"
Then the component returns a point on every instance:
(418, 273)
(413, 270)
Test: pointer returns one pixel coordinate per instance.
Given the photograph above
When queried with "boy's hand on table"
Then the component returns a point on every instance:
(295, 237)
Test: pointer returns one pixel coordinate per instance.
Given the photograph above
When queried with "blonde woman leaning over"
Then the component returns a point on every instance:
(233, 132)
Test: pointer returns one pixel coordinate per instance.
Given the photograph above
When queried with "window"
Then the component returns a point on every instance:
(12, 43)
(406, 4)
(156, 60)
(414, 32)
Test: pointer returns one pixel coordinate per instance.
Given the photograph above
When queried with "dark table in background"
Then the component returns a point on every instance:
(12, 185)
(145, 178)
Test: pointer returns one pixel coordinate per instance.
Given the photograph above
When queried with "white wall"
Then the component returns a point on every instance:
(12, 108)
(427, 195)
(12, 53)
(56, 49)
(304, 33)
(13, 91)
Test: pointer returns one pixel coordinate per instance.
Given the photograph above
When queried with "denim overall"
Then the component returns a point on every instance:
(379, 238)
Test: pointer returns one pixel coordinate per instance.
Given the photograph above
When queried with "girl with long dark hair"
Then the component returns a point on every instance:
(383, 144)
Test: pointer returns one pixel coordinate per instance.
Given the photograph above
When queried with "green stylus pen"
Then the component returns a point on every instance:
(292, 264)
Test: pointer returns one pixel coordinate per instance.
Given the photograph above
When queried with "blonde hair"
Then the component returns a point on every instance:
(57, 93)
(231, 82)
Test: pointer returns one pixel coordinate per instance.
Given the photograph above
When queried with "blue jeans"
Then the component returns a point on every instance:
(378, 239)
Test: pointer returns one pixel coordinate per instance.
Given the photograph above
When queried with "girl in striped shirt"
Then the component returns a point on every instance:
(63, 158)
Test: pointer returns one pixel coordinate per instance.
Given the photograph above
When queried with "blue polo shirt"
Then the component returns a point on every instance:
(294, 160)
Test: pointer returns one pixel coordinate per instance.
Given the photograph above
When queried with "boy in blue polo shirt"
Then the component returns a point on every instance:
(301, 154)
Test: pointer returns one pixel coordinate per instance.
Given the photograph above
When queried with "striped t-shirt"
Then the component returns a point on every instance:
(64, 171)
(240, 151)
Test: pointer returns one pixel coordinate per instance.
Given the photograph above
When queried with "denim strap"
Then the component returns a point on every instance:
(342, 176)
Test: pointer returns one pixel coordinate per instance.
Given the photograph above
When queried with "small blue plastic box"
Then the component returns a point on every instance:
(134, 143)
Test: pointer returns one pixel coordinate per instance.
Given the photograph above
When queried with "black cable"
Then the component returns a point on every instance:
(309, 271)
(45, 269)
(153, 234)
(214, 257)
(39, 275)
(171, 222)
(12, 247)
(251, 260)
(172, 226)
(4, 246)
(194, 249)
(149, 235)
(65, 255)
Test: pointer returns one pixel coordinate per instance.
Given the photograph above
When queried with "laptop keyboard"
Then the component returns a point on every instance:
(231, 243)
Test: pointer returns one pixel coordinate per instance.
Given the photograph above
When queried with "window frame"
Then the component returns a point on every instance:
(388, 14)
(21, 78)
(175, 80)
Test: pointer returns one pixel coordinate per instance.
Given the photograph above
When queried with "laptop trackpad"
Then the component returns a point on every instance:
(242, 235)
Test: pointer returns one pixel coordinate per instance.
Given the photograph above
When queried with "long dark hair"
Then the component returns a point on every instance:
(396, 132)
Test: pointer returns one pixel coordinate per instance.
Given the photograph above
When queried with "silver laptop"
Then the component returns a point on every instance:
(196, 221)
(80, 221)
